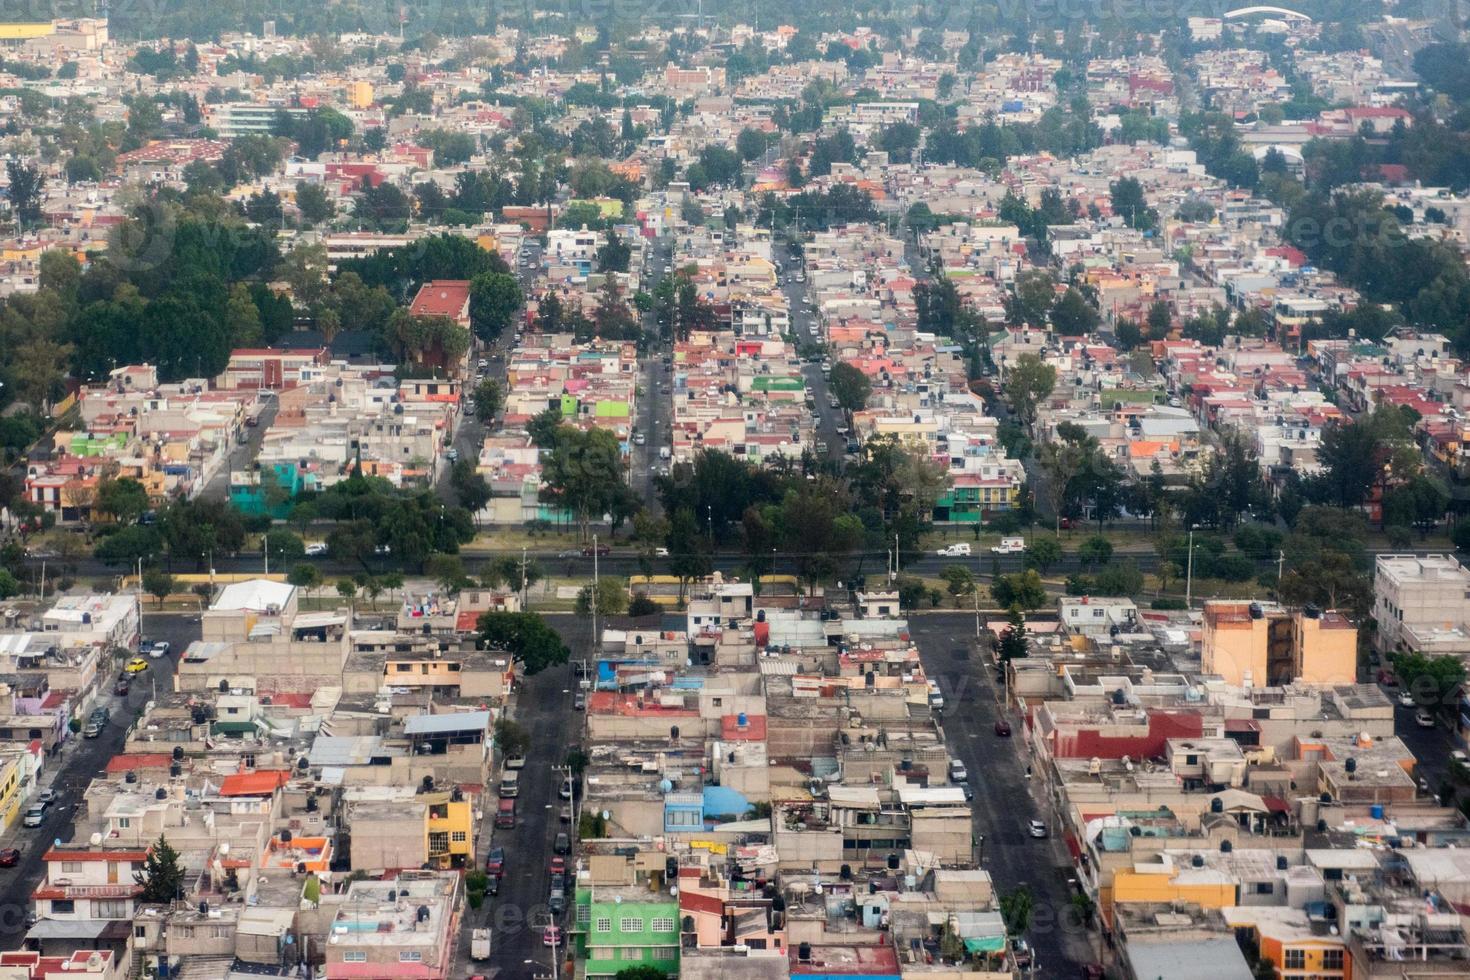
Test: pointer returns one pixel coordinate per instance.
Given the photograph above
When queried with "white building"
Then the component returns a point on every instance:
(1420, 604)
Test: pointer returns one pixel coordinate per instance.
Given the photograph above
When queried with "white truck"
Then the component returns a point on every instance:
(480, 944)
(960, 550)
(1010, 546)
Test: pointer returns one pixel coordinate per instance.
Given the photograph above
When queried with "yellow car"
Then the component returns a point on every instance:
(136, 666)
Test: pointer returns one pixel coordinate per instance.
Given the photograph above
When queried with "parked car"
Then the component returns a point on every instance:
(563, 844)
(551, 936)
(1021, 953)
(158, 650)
(960, 550)
(557, 903)
(661, 552)
(136, 666)
(1003, 728)
(1386, 678)
(639, 439)
(566, 789)
(1406, 699)
(122, 687)
(48, 797)
(1459, 758)
(35, 816)
(558, 865)
(1036, 829)
(317, 549)
(602, 551)
(9, 857)
(579, 703)
(495, 862)
(957, 772)
(1423, 719)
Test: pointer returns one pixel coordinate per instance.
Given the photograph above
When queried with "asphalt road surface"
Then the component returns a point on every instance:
(79, 762)
(1005, 799)
(543, 707)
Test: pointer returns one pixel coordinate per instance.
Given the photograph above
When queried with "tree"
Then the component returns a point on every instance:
(347, 589)
(1032, 300)
(1073, 315)
(470, 488)
(1043, 553)
(750, 143)
(159, 584)
(610, 593)
(494, 299)
(489, 400)
(688, 549)
(1095, 551)
(1013, 645)
(1015, 910)
(447, 571)
(850, 387)
(1160, 320)
(1027, 382)
(313, 203)
(126, 545)
(123, 499)
(1022, 589)
(305, 576)
(583, 474)
(1129, 203)
(281, 544)
(26, 187)
(511, 739)
(526, 637)
(162, 876)
(959, 581)
(1433, 681)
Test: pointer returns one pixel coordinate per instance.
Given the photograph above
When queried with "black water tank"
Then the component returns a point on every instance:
(893, 862)
(804, 953)
(1281, 863)
(178, 753)
(1226, 847)
(1217, 805)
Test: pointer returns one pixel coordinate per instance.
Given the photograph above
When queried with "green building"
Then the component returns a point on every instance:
(619, 927)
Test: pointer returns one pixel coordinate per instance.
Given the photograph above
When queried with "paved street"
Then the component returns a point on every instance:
(80, 760)
(543, 707)
(1005, 800)
(240, 454)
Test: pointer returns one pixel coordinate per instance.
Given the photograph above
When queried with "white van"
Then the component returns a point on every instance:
(1010, 546)
(510, 785)
(960, 550)
(663, 452)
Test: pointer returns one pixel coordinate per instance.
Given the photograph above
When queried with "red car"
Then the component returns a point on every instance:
(558, 865)
(1003, 728)
(1386, 678)
(9, 857)
(602, 551)
(495, 862)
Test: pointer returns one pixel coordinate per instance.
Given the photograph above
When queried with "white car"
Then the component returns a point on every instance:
(1036, 829)
(661, 552)
(317, 549)
(158, 650)
(1406, 699)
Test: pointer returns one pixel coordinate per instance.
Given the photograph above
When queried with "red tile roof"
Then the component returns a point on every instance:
(262, 782)
(441, 297)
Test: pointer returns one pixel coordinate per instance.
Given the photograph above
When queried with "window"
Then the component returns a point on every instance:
(457, 836)
(630, 924)
(662, 924)
(410, 956)
(1332, 959)
(71, 867)
(111, 908)
(683, 818)
(354, 956)
(584, 914)
(665, 953)
(604, 924)
(140, 932)
(1265, 888)
(1296, 959)
(63, 906)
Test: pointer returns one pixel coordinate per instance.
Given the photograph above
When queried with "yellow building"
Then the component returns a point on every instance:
(449, 839)
(359, 94)
(1268, 646)
(1292, 942)
(26, 32)
(12, 779)
(1162, 879)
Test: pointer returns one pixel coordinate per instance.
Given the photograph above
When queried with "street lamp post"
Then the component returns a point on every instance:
(1189, 571)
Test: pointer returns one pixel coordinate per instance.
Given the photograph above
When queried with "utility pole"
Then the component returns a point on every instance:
(976, 593)
(525, 586)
